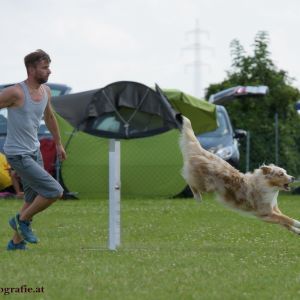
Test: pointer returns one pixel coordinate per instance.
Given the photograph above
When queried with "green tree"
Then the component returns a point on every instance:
(257, 115)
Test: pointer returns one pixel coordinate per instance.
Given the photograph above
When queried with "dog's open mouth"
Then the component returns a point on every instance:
(286, 187)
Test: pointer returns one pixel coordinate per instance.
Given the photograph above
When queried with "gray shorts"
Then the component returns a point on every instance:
(35, 179)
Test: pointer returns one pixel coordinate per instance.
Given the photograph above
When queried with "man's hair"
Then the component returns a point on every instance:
(33, 58)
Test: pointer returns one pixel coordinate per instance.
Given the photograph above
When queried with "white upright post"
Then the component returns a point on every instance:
(114, 194)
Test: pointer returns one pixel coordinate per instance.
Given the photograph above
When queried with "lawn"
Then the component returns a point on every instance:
(171, 249)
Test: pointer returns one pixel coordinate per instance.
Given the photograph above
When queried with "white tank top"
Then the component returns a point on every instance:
(23, 124)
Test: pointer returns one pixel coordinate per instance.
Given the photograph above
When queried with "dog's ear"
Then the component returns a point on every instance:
(266, 169)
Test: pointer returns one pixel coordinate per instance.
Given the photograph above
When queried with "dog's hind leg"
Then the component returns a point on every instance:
(196, 194)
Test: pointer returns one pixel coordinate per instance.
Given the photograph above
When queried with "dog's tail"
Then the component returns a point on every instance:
(189, 144)
(190, 147)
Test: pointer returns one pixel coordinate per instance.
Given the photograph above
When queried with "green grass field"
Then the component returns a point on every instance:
(171, 249)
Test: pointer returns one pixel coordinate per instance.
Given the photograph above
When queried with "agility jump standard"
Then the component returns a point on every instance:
(114, 239)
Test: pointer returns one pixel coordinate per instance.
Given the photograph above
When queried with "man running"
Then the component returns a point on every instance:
(27, 103)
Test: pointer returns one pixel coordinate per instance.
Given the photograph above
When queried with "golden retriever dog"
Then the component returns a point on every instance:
(254, 193)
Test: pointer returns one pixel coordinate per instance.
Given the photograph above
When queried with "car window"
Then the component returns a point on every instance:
(222, 127)
(112, 123)
(55, 93)
(3, 112)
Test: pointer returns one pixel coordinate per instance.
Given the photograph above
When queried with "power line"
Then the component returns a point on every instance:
(197, 48)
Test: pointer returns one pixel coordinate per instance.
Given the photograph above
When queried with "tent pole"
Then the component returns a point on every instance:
(114, 194)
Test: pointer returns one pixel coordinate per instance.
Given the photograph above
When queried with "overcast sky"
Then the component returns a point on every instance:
(94, 42)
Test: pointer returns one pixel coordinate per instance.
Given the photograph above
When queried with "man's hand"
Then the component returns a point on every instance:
(61, 153)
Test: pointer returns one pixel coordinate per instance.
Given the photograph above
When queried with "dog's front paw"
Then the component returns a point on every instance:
(296, 224)
(295, 230)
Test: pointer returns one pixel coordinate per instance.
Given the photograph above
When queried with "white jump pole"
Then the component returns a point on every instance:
(114, 194)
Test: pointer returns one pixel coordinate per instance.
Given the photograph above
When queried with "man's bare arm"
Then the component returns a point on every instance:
(51, 123)
(10, 97)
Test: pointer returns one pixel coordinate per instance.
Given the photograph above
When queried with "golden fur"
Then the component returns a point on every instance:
(255, 193)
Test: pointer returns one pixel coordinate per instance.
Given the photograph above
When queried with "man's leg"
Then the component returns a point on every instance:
(23, 221)
(17, 238)
(39, 204)
(36, 182)
(26, 214)
(16, 183)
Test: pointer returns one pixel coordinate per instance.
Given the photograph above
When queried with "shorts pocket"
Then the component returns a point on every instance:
(26, 161)
(13, 159)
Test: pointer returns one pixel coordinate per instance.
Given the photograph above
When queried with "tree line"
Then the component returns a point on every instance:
(257, 115)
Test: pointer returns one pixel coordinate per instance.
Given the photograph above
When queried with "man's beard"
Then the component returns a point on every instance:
(41, 80)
